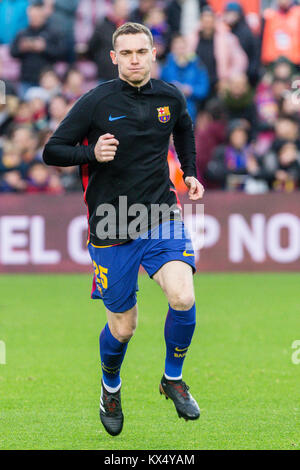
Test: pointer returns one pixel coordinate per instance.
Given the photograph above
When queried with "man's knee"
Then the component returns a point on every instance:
(181, 300)
(176, 280)
(123, 326)
(123, 333)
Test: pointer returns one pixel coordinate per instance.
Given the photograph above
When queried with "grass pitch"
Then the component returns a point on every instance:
(239, 366)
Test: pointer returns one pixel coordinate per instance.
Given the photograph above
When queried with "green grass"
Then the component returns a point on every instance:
(239, 366)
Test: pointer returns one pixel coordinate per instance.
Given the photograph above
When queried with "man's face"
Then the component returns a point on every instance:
(231, 17)
(283, 71)
(208, 22)
(286, 129)
(121, 9)
(238, 85)
(134, 56)
(23, 140)
(146, 5)
(238, 138)
(58, 108)
(36, 15)
(179, 46)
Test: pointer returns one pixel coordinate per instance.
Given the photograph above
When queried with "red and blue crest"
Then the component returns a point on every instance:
(163, 114)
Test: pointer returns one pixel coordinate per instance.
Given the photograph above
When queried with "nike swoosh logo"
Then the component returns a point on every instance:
(115, 118)
(180, 350)
(187, 254)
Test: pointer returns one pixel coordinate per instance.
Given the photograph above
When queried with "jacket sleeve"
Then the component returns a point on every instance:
(62, 148)
(184, 140)
(15, 48)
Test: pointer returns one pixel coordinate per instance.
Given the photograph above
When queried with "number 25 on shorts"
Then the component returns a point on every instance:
(101, 271)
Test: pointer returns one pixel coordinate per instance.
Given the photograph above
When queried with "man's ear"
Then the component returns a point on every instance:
(113, 57)
(154, 54)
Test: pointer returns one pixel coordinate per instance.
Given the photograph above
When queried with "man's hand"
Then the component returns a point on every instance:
(251, 164)
(196, 190)
(39, 44)
(26, 45)
(105, 148)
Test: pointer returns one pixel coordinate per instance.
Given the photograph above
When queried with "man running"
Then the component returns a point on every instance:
(118, 133)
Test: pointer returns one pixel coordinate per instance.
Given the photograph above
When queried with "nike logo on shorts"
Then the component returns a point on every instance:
(187, 254)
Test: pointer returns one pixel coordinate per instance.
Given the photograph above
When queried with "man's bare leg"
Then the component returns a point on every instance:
(123, 325)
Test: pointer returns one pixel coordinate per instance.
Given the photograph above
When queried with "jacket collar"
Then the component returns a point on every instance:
(147, 88)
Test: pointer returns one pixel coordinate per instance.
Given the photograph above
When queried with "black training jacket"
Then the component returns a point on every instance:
(142, 119)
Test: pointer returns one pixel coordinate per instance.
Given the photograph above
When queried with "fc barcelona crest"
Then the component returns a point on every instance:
(163, 114)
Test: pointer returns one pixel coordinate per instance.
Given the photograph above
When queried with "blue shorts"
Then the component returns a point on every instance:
(116, 267)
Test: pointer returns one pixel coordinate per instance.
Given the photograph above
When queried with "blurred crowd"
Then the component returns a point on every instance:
(236, 62)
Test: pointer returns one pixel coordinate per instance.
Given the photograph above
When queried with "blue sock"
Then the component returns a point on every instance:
(179, 329)
(112, 353)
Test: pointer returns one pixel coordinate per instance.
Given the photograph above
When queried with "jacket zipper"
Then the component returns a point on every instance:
(140, 107)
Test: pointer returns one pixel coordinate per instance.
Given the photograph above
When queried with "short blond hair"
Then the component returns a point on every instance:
(132, 28)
